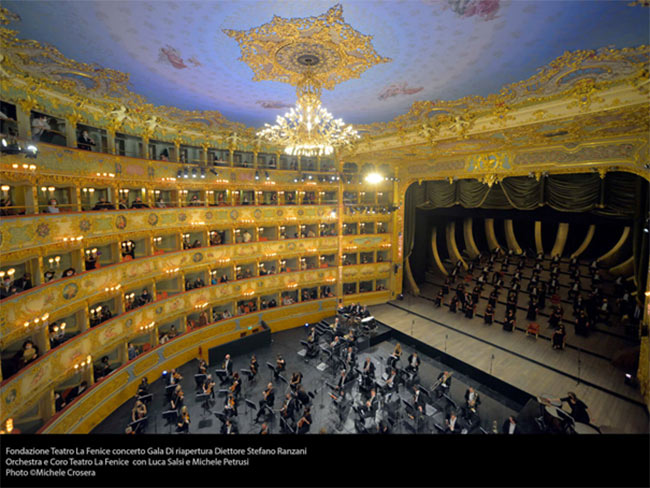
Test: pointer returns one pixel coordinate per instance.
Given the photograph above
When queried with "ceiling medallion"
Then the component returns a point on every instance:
(311, 54)
(274, 50)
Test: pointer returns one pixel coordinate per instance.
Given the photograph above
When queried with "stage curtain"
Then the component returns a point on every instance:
(414, 198)
(523, 193)
(640, 239)
(616, 196)
(440, 194)
(621, 193)
(573, 193)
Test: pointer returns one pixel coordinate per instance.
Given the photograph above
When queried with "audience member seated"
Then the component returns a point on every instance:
(85, 142)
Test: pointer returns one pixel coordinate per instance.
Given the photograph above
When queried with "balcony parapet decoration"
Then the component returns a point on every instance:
(24, 233)
(64, 296)
(27, 386)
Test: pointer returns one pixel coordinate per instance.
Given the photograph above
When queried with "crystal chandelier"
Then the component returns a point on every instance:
(308, 129)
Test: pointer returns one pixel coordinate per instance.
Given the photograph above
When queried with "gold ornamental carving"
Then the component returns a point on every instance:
(282, 49)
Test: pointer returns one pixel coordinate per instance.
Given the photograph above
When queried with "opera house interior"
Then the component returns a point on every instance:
(419, 217)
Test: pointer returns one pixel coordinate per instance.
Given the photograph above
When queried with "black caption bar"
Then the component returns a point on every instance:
(322, 460)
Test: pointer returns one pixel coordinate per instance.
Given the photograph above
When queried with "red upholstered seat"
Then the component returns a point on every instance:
(533, 328)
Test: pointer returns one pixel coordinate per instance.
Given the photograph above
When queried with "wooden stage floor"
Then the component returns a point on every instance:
(525, 362)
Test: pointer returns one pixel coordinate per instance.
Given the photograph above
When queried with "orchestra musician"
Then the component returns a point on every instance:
(370, 405)
(288, 407)
(443, 384)
(488, 315)
(208, 386)
(235, 387)
(229, 428)
(472, 399)
(143, 389)
(267, 400)
(413, 363)
(296, 379)
(510, 426)
(203, 367)
(264, 429)
(343, 377)
(418, 399)
(391, 382)
(139, 411)
(253, 366)
(177, 398)
(280, 365)
(452, 425)
(174, 377)
(305, 422)
(184, 421)
(369, 368)
(230, 406)
(440, 297)
(350, 359)
(394, 358)
(302, 396)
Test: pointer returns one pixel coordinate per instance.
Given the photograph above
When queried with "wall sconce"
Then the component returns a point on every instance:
(83, 364)
(9, 426)
(148, 326)
(55, 262)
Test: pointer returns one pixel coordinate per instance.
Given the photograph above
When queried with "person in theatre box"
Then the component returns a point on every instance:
(85, 142)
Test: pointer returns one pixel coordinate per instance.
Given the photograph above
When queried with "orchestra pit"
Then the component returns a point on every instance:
(457, 244)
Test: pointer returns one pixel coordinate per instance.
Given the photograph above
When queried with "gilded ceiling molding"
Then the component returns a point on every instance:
(281, 50)
(577, 76)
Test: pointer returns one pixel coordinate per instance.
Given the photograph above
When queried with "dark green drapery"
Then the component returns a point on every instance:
(616, 195)
(640, 239)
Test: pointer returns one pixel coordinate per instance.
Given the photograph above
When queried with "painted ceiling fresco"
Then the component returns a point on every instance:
(177, 53)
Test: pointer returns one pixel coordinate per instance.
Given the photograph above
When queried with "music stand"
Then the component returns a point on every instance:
(222, 374)
(285, 427)
(251, 408)
(139, 425)
(170, 416)
(146, 398)
(169, 390)
(199, 379)
(271, 367)
(205, 398)
(248, 373)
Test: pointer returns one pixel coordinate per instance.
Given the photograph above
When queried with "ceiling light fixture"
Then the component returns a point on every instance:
(309, 129)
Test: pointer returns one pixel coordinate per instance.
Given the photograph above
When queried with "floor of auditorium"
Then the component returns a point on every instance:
(494, 406)
(525, 362)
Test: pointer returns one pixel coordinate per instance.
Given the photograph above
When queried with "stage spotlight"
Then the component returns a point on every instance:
(186, 173)
(374, 178)
(257, 175)
(193, 172)
(179, 174)
(267, 176)
(215, 173)
(202, 172)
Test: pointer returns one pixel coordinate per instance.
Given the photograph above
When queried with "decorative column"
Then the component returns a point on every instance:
(110, 139)
(145, 146)
(204, 154)
(23, 117)
(71, 121)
